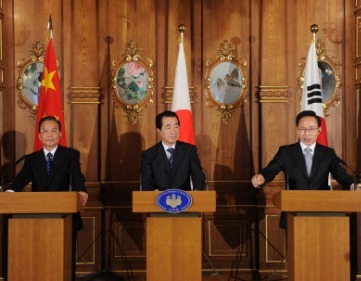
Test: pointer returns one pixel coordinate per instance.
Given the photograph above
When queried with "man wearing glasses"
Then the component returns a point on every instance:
(54, 168)
(306, 164)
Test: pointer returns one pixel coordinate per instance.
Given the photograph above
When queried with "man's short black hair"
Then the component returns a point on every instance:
(166, 113)
(49, 118)
(307, 113)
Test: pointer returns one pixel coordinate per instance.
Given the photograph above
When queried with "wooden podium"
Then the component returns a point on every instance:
(318, 233)
(40, 234)
(174, 241)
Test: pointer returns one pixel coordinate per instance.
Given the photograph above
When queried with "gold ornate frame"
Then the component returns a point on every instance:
(225, 82)
(28, 83)
(132, 82)
(331, 78)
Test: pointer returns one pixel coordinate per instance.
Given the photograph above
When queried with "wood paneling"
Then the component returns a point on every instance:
(270, 35)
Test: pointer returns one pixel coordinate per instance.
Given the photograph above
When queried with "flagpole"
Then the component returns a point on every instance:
(314, 29)
(50, 28)
(181, 29)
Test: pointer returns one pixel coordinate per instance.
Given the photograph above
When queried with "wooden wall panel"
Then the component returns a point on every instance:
(270, 35)
(84, 79)
(221, 154)
(273, 60)
(89, 241)
(121, 22)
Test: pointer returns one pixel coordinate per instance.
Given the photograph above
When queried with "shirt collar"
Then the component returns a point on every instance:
(166, 147)
(51, 151)
(312, 146)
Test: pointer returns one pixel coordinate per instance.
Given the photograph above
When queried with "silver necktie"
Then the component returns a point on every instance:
(308, 159)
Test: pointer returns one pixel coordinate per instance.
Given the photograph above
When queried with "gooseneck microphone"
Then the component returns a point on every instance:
(287, 183)
(7, 169)
(70, 175)
(206, 179)
(343, 163)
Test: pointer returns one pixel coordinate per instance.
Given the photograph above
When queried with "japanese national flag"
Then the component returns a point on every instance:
(181, 101)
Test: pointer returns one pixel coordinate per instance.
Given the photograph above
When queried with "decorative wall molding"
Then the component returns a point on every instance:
(273, 94)
(86, 95)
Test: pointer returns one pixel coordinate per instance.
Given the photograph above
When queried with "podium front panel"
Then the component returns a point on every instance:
(174, 249)
(318, 247)
(39, 249)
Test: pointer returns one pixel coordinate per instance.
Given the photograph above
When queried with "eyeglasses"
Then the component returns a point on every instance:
(52, 131)
(310, 130)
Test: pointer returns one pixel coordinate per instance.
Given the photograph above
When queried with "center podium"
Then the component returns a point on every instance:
(318, 232)
(174, 240)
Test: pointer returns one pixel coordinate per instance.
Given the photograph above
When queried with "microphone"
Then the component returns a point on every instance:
(287, 183)
(355, 187)
(140, 183)
(8, 168)
(70, 176)
(70, 181)
(206, 179)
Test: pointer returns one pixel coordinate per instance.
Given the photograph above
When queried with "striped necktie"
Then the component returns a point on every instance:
(49, 158)
(171, 156)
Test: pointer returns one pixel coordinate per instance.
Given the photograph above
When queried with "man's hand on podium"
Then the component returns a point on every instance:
(352, 187)
(83, 197)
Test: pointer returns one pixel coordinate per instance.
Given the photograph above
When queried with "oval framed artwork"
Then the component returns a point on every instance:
(132, 82)
(29, 79)
(225, 82)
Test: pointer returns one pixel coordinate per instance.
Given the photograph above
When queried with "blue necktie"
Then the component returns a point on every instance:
(49, 158)
(308, 158)
(171, 156)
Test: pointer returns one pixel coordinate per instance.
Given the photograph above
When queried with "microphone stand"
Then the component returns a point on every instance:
(355, 186)
(70, 182)
(70, 176)
(8, 168)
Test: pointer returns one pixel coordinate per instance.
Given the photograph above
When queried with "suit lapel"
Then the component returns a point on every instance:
(316, 160)
(301, 160)
(41, 171)
(177, 155)
(56, 164)
(163, 159)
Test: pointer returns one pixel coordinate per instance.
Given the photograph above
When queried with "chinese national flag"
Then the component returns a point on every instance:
(181, 100)
(50, 99)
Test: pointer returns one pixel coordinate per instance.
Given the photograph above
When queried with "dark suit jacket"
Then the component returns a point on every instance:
(157, 174)
(65, 162)
(291, 161)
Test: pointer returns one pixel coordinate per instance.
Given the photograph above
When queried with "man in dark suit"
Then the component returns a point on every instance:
(171, 163)
(291, 159)
(61, 172)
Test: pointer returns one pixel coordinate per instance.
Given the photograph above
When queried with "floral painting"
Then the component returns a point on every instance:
(32, 82)
(132, 83)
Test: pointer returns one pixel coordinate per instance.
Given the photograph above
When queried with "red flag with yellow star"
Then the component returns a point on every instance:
(50, 98)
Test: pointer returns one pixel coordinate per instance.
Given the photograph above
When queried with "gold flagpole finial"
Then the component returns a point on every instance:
(181, 29)
(50, 28)
(314, 29)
